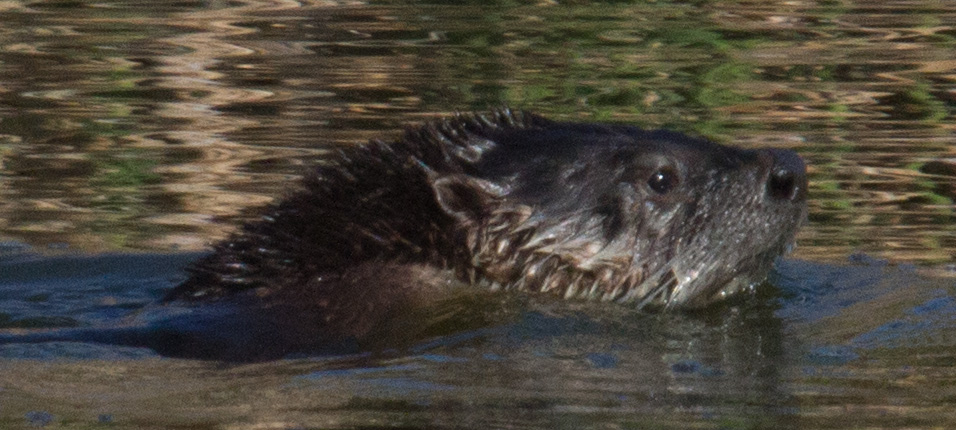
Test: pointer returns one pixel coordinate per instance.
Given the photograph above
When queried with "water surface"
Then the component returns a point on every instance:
(147, 130)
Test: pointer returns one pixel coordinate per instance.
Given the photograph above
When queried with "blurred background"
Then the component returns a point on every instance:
(141, 125)
(135, 133)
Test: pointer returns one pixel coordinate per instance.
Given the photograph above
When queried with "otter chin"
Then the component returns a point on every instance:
(472, 206)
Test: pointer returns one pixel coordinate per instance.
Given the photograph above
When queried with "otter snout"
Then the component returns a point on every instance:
(787, 175)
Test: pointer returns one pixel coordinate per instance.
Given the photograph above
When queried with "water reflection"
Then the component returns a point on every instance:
(132, 125)
(835, 347)
(551, 365)
(154, 125)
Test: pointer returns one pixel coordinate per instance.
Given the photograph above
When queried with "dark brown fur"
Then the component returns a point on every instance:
(475, 204)
(455, 194)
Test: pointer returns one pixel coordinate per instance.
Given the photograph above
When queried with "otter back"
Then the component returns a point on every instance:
(476, 204)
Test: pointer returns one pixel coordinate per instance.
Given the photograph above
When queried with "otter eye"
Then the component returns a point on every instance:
(663, 180)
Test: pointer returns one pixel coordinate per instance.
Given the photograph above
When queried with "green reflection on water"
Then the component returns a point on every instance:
(858, 89)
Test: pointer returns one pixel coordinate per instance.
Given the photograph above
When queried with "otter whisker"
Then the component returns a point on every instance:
(571, 291)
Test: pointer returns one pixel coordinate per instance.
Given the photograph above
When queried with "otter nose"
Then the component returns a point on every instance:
(788, 176)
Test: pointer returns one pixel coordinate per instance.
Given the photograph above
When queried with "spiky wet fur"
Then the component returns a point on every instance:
(377, 203)
(368, 202)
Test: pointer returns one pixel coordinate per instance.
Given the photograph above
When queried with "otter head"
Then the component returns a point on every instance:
(620, 214)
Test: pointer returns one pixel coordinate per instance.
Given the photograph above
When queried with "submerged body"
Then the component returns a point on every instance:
(467, 207)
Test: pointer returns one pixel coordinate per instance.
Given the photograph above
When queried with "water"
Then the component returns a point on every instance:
(147, 130)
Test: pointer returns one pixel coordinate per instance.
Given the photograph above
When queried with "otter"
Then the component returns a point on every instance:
(476, 205)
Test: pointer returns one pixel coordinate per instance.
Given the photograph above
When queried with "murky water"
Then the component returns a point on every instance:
(154, 126)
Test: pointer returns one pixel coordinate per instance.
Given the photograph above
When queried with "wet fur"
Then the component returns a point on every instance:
(445, 195)
(470, 205)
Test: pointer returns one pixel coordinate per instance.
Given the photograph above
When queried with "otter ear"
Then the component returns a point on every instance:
(466, 198)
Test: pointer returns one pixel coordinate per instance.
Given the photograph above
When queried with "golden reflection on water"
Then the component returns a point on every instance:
(156, 126)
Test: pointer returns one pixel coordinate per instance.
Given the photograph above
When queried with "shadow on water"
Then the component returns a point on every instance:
(821, 335)
(549, 357)
(138, 125)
